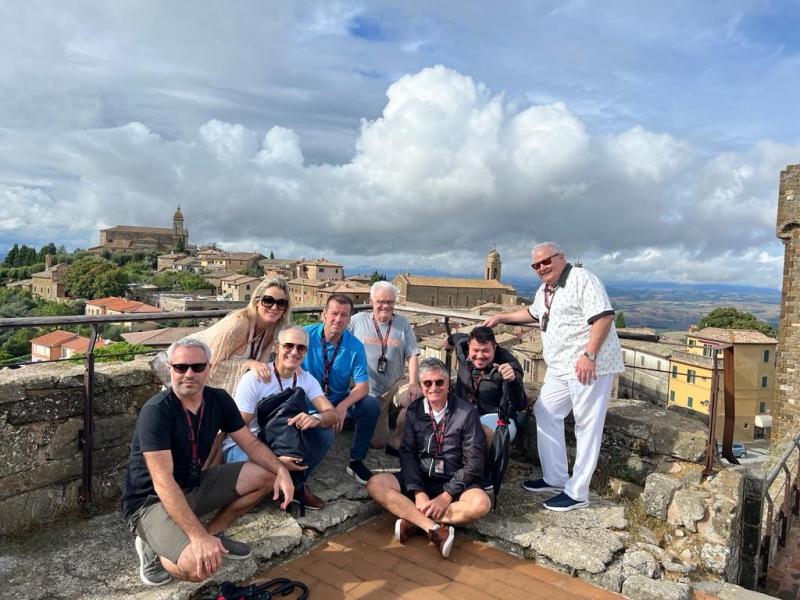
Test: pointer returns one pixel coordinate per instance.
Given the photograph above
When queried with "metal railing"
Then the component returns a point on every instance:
(789, 506)
(86, 433)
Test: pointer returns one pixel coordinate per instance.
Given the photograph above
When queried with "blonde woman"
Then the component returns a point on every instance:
(242, 341)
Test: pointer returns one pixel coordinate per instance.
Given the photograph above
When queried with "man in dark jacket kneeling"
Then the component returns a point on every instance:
(441, 465)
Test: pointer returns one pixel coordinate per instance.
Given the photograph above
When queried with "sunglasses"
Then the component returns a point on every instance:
(544, 262)
(269, 302)
(195, 367)
(432, 383)
(289, 346)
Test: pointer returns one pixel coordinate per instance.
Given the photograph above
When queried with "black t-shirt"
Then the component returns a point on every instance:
(162, 425)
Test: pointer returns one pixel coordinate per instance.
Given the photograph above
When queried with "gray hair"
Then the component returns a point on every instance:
(288, 328)
(552, 245)
(433, 364)
(189, 342)
(384, 285)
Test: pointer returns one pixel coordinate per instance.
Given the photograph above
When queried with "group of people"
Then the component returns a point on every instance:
(349, 368)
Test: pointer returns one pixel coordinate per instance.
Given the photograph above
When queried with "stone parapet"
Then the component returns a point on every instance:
(41, 415)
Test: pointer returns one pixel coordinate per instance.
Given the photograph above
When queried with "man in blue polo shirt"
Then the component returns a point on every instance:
(336, 357)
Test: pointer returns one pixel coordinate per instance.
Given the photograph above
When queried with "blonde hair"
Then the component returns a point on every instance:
(251, 310)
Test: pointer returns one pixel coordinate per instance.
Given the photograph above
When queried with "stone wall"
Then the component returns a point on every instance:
(787, 401)
(41, 408)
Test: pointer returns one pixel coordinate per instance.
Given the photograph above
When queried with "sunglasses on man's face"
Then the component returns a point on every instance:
(269, 302)
(183, 367)
(546, 262)
(428, 383)
(289, 346)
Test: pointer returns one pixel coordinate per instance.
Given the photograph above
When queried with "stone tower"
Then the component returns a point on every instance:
(177, 222)
(493, 265)
(787, 368)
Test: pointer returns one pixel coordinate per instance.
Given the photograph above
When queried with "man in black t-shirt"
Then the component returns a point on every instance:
(166, 487)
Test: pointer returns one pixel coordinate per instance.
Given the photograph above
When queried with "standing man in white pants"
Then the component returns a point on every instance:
(583, 354)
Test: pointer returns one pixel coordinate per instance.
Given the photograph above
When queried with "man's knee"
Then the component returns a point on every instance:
(477, 502)
(371, 408)
(254, 478)
(380, 483)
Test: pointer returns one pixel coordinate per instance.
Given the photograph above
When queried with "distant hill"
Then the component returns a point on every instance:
(661, 305)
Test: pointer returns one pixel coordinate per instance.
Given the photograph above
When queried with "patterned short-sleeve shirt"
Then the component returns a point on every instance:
(578, 300)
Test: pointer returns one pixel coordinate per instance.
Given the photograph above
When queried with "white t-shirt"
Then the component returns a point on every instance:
(579, 299)
(251, 389)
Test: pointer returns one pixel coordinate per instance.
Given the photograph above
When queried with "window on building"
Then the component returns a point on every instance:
(672, 395)
(689, 401)
(691, 342)
(247, 298)
(674, 371)
(758, 433)
(764, 381)
(449, 301)
(658, 365)
(527, 366)
(641, 361)
(766, 355)
(691, 375)
(433, 300)
(322, 269)
(707, 350)
(746, 425)
(762, 407)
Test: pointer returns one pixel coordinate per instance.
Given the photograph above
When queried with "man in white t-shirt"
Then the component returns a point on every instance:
(583, 355)
(318, 422)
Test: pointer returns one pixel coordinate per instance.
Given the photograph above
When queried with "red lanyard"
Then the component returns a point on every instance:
(438, 429)
(328, 364)
(278, 377)
(192, 435)
(384, 342)
(476, 384)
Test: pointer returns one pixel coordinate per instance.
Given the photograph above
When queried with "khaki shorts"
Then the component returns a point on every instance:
(162, 533)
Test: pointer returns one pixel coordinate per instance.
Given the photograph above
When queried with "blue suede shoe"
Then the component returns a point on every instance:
(562, 503)
(539, 486)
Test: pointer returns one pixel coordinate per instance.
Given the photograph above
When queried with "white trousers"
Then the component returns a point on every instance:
(588, 404)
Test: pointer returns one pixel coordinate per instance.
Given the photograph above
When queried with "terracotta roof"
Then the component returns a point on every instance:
(159, 337)
(336, 286)
(239, 279)
(137, 229)
(733, 336)
(654, 348)
(54, 338)
(454, 282)
(321, 262)
(243, 256)
(122, 305)
(81, 344)
(307, 282)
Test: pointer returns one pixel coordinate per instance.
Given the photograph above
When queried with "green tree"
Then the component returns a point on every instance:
(19, 344)
(729, 317)
(376, 277)
(47, 249)
(118, 351)
(180, 281)
(11, 257)
(94, 277)
(272, 255)
(59, 309)
(619, 320)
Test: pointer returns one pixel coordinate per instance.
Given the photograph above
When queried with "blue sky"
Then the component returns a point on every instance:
(647, 138)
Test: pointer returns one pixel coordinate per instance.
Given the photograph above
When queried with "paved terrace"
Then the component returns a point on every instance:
(347, 551)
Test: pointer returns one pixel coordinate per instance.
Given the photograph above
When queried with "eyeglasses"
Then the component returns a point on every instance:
(544, 262)
(195, 367)
(269, 302)
(386, 302)
(289, 346)
(428, 383)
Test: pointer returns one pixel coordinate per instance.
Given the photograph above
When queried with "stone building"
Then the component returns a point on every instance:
(318, 269)
(49, 284)
(646, 375)
(60, 344)
(132, 238)
(229, 261)
(312, 292)
(786, 420)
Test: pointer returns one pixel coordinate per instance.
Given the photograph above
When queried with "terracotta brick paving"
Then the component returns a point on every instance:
(783, 578)
(366, 563)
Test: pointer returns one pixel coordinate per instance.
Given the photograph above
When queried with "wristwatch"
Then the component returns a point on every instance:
(316, 416)
(592, 356)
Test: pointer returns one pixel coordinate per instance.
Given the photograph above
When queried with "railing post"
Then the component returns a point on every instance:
(730, 405)
(86, 434)
(448, 354)
(712, 419)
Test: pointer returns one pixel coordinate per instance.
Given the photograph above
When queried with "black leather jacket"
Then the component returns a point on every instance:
(490, 390)
(463, 450)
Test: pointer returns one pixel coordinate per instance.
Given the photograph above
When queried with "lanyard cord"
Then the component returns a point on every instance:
(328, 364)
(384, 342)
(278, 377)
(193, 436)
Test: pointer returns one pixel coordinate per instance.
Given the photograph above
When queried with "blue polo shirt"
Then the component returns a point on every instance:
(350, 362)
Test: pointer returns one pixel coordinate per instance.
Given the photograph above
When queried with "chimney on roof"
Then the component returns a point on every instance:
(48, 261)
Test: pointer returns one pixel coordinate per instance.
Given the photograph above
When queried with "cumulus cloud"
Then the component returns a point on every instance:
(449, 168)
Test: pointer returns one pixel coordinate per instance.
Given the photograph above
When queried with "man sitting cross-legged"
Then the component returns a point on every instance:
(441, 464)
(317, 422)
(166, 487)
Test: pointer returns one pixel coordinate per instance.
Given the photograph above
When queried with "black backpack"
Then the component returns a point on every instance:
(273, 413)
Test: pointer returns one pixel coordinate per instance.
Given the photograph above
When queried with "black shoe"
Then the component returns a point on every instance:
(391, 451)
(236, 550)
(358, 471)
(151, 571)
(487, 483)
